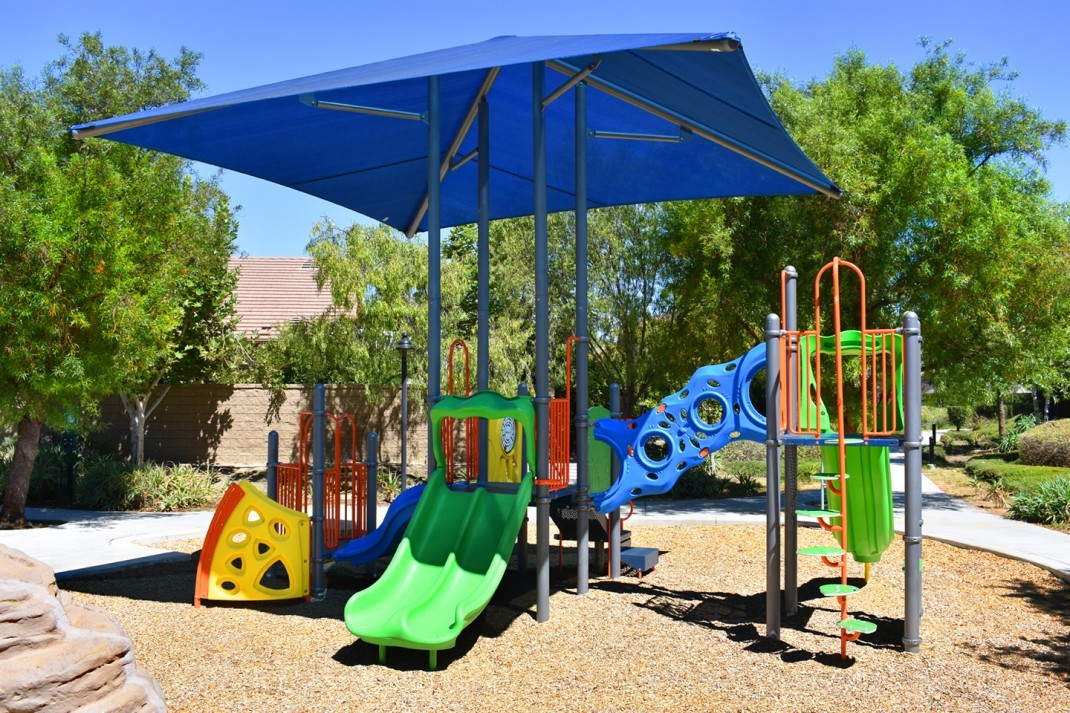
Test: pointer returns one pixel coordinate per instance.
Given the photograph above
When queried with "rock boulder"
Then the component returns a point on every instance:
(59, 655)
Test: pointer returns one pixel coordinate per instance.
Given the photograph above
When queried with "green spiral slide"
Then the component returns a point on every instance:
(453, 554)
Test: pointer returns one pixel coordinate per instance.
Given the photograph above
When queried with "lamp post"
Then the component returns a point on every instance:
(404, 346)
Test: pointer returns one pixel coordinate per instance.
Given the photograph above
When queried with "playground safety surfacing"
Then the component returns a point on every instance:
(997, 633)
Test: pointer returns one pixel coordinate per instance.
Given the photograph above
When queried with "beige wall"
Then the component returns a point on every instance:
(227, 426)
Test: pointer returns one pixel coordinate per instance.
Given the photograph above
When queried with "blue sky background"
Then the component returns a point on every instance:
(250, 43)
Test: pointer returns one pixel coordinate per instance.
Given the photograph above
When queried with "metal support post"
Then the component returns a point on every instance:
(772, 477)
(542, 349)
(319, 463)
(371, 461)
(932, 446)
(483, 275)
(614, 470)
(434, 261)
(583, 491)
(791, 455)
(912, 463)
(273, 465)
(522, 536)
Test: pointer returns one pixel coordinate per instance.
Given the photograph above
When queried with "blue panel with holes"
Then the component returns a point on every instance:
(713, 410)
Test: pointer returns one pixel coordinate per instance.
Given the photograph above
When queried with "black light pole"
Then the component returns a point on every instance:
(404, 346)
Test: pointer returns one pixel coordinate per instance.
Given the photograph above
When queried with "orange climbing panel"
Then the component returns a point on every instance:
(255, 550)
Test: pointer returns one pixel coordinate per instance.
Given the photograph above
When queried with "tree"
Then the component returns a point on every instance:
(945, 209)
(83, 229)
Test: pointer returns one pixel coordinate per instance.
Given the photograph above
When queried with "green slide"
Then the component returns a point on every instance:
(453, 554)
(869, 499)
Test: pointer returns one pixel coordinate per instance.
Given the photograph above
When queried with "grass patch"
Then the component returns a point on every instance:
(1013, 475)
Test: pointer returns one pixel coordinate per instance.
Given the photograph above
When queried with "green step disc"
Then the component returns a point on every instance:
(819, 513)
(838, 590)
(862, 627)
(822, 551)
(828, 476)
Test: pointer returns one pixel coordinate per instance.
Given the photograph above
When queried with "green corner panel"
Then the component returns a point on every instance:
(869, 500)
(821, 551)
(838, 590)
(862, 627)
(824, 477)
(453, 553)
(599, 455)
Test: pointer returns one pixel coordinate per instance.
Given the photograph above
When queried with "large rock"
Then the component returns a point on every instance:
(59, 655)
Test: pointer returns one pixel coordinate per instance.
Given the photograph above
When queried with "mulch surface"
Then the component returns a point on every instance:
(688, 637)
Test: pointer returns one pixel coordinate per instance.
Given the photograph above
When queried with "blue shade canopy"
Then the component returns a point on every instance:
(697, 92)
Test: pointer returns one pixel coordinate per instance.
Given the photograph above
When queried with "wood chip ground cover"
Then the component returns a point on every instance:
(996, 636)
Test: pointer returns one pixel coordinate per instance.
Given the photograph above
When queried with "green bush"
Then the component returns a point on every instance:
(105, 483)
(1047, 503)
(1021, 424)
(700, 482)
(934, 414)
(46, 475)
(1015, 476)
(959, 415)
(1047, 444)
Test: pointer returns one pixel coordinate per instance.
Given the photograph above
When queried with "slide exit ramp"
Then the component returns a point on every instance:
(713, 410)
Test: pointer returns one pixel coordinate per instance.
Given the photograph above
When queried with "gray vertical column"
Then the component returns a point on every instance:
(614, 470)
(371, 460)
(522, 537)
(319, 463)
(912, 463)
(273, 466)
(772, 477)
(434, 261)
(542, 350)
(791, 455)
(583, 494)
(483, 275)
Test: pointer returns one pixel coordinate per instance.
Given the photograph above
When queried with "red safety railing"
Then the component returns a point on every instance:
(344, 480)
(561, 429)
(471, 425)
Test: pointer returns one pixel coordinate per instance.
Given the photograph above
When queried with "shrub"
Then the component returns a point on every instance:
(106, 483)
(934, 414)
(46, 475)
(959, 415)
(700, 482)
(1047, 503)
(1021, 424)
(1047, 444)
(1015, 476)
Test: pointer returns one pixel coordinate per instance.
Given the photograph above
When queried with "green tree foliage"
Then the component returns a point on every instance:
(945, 209)
(85, 230)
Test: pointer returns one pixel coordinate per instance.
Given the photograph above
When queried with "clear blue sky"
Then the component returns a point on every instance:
(250, 43)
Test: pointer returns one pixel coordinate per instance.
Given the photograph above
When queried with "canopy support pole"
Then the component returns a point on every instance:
(791, 453)
(434, 261)
(483, 275)
(583, 496)
(455, 145)
(542, 351)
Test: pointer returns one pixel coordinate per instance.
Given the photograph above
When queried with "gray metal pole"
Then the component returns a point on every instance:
(272, 465)
(434, 261)
(614, 469)
(405, 418)
(542, 350)
(522, 537)
(912, 463)
(583, 494)
(772, 477)
(319, 463)
(791, 456)
(483, 276)
(371, 460)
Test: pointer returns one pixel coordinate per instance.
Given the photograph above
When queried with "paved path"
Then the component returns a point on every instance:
(91, 542)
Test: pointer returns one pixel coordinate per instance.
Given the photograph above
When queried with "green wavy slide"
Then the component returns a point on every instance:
(453, 554)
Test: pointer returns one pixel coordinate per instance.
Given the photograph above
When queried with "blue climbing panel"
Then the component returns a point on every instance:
(656, 448)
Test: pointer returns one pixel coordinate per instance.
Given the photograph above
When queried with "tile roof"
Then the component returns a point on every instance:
(272, 290)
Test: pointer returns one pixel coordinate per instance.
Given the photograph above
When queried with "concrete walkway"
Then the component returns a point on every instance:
(94, 542)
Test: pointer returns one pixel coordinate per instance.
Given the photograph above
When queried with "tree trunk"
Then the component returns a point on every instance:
(138, 409)
(18, 481)
(1001, 415)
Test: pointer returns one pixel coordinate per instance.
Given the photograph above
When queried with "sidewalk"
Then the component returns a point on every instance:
(94, 542)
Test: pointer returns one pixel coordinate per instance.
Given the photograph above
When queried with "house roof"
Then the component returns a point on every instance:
(273, 290)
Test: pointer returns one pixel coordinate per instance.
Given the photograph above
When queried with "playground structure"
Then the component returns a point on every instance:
(695, 124)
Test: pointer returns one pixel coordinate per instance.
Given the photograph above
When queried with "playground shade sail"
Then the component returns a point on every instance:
(377, 165)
